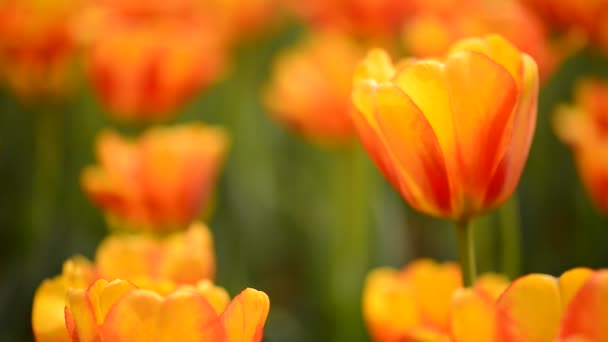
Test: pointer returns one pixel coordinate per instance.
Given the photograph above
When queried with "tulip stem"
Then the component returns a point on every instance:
(466, 252)
(510, 230)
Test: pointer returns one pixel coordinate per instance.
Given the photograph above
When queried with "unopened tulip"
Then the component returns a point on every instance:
(310, 87)
(118, 311)
(451, 135)
(160, 182)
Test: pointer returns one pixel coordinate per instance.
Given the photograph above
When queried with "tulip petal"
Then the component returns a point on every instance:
(246, 315)
(425, 84)
(187, 316)
(529, 310)
(133, 318)
(472, 316)
(509, 171)
(389, 306)
(483, 96)
(414, 145)
(570, 283)
(434, 284)
(586, 318)
(80, 319)
(373, 141)
(47, 311)
(376, 66)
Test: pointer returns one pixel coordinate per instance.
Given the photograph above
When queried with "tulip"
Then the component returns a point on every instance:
(36, 46)
(310, 87)
(584, 126)
(118, 311)
(431, 32)
(182, 257)
(371, 19)
(451, 135)
(539, 308)
(416, 303)
(48, 321)
(160, 182)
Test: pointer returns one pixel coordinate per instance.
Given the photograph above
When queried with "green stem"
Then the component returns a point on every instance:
(46, 170)
(510, 230)
(466, 252)
(350, 236)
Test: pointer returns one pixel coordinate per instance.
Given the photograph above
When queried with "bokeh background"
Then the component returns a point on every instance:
(300, 220)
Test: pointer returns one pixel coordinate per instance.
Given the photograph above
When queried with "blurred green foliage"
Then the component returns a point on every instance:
(275, 212)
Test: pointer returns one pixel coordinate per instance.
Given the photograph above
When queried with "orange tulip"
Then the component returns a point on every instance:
(376, 19)
(48, 321)
(452, 135)
(183, 257)
(311, 84)
(36, 45)
(584, 126)
(118, 311)
(147, 59)
(417, 303)
(586, 20)
(431, 32)
(159, 182)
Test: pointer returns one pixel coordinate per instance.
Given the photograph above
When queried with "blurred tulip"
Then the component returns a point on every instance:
(146, 59)
(451, 135)
(118, 311)
(380, 19)
(311, 84)
(243, 19)
(431, 32)
(36, 46)
(182, 257)
(160, 182)
(584, 20)
(147, 73)
(584, 126)
(48, 321)
(418, 302)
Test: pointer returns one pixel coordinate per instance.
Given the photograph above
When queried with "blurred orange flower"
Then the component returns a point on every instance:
(586, 20)
(417, 303)
(584, 126)
(118, 311)
(245, 18)
(147, 59)
(380, 19)
(452, 135)
(431, 32)
(48, 321)
(160, 182)
(182, 257)
(36, 45)
(540, 308)
(311, 84)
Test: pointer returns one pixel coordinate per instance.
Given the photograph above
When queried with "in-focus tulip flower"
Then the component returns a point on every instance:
(181, 257)
(310, 87)
(417, 303)
(160, 182)
(431, 32)
(451, 135)
(48, 321)
(36, 46)
(118, 311)
(584, 126)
